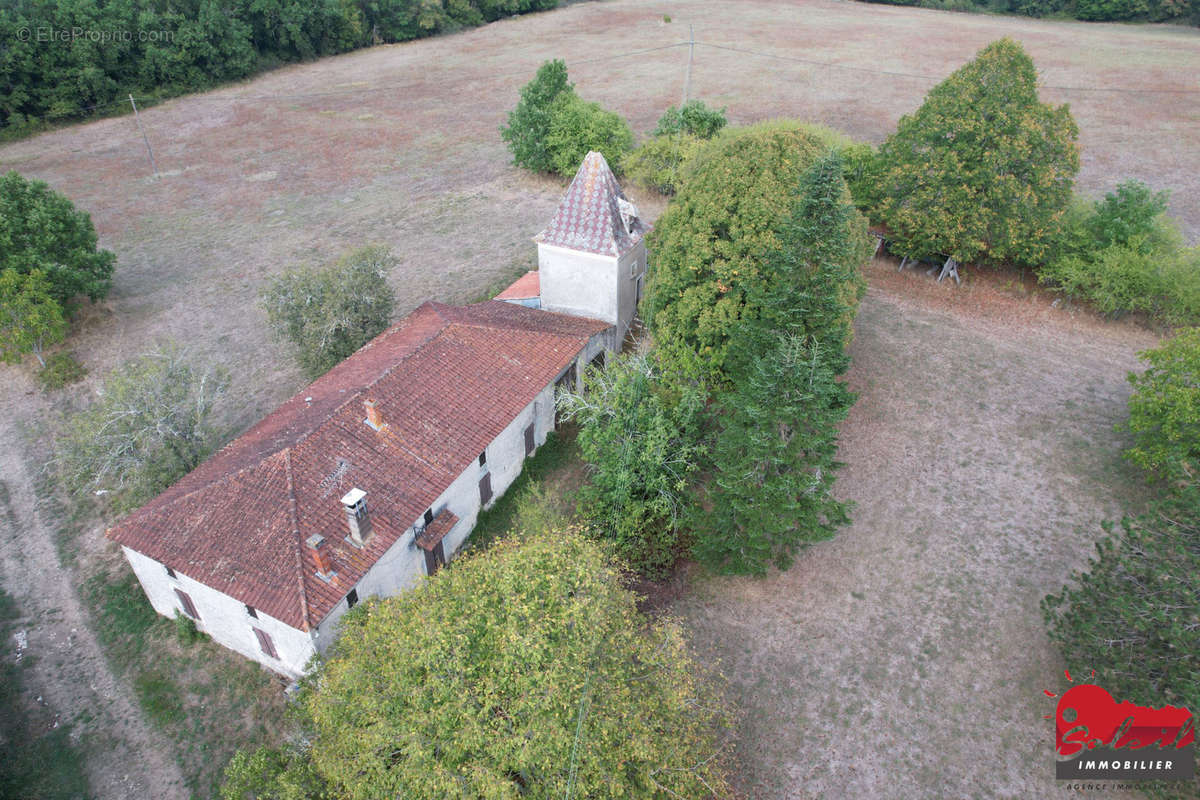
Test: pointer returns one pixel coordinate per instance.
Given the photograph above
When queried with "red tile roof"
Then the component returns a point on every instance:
(527, 286)
(589, 218)
(446, 381)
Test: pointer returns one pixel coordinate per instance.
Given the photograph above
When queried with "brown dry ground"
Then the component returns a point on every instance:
(399, 145)
(906, 657)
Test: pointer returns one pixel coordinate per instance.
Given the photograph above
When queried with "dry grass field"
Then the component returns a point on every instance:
(979, 455)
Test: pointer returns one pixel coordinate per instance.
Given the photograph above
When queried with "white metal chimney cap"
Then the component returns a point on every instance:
(353, 497)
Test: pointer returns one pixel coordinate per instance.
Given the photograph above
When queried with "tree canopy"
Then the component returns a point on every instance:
(329, 313)
(529, 123)
(982, 171)
(30, 318)
(578, 127)
(525, 671)
(642, 448)
(709, 247)
(42, 230)
(150, 426)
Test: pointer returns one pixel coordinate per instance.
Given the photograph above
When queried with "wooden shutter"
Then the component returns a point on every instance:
(529, 439)
(485, 489)
(434, 559)
(189, 607)
(264, 642)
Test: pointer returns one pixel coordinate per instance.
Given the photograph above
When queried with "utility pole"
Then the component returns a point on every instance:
(138, 119)
(687, 80)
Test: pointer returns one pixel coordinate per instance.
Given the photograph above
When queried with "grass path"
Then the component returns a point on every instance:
(907, 656)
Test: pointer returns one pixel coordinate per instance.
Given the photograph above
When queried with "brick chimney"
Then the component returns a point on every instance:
(321, 554)
(374, 418)
(355, 503)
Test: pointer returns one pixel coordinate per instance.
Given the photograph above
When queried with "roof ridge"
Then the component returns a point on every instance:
(299, 551)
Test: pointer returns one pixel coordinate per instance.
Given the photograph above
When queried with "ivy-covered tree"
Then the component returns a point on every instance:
(983, 170)
(529, 123)
(42, 230)
(329, 313)
(525, 671)
(642, 446)
(774, 462)
(151, 424)
(710, 246)
(30, 319)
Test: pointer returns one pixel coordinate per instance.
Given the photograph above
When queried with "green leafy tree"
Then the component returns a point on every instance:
(710, 246)
(329, 313)
(775, 461)
(578, 127)
(529, 123)
(525, 671)
(660, 164)
(1133, 216)
(151, 425)
(983, 170)
(30, 318)
(642, 446)
(42, 230)
(1164, 411)
(271, 773)
(692, 118)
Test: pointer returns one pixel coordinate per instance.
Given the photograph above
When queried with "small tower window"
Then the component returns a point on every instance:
(170, 572)
(483, 458)
(428, 516)
(250, 610)
(352, 598)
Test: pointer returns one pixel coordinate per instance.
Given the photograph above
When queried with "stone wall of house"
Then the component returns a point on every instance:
(230, 624)
(226, 620)
(590, 285)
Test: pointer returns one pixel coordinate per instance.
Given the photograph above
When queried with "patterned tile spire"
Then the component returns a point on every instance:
(594, 215)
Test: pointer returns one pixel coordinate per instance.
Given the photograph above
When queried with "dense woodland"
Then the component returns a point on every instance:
(78, 58)
(1179, 11)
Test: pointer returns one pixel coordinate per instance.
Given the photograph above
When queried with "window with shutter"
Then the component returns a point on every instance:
(189, 607)
(264, 642)
(529, 440)
(485, 489)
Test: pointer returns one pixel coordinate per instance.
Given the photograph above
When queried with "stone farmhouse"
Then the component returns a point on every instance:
(373, 475)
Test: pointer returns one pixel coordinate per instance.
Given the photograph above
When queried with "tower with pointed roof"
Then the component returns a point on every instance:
(592, 255)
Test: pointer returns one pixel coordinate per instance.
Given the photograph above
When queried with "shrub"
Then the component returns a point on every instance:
(1133, 216)
(861, 170)
(329, 313)
(1117, 280)
(983, 170)
(42, 230)
(30, 317)
(186, 632)
(62, 369)
(529, 123)
(150, 425)
(692, 118)
(659, 164)
(709, 246)
(578, 127)
(1164, 411)
(524, 670)
(642, 448)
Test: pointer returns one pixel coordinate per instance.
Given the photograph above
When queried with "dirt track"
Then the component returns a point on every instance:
(124, 757)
